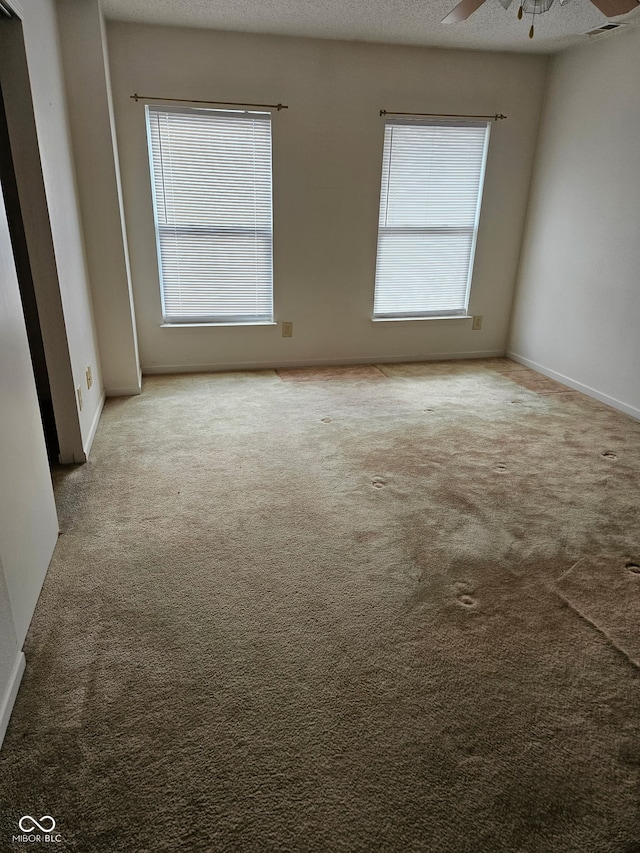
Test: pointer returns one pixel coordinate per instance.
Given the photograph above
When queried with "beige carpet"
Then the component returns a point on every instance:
(323, 616)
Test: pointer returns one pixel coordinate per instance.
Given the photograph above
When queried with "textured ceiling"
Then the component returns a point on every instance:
(413, 22)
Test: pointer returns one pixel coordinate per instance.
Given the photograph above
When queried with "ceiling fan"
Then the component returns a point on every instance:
(610, 8)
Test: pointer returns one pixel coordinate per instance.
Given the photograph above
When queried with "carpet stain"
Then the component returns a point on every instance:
(536, 382)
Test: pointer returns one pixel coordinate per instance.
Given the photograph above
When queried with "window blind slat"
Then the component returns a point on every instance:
(211, 181)
(432, 174)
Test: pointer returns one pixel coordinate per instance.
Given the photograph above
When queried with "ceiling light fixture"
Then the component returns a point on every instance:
(466, 8)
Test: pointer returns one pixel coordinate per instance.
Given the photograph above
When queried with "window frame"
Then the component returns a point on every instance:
(420, 314)
(180, 320)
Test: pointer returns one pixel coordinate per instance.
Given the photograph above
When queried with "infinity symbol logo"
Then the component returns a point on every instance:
(28, 823)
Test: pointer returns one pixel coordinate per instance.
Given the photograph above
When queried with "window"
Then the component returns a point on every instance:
(432, 174)
(211, 181)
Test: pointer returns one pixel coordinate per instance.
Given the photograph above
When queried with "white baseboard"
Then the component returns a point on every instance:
(130, 391)
(7, 701)
(94, 426)
(154, 369)
(577, 386)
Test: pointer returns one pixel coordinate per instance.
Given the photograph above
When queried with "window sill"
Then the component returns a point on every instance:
(421, 319)
(219, 325)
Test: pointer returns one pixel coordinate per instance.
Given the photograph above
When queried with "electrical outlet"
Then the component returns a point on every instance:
(477, 323)
(287, 330)
(79, 393)
(89, 377)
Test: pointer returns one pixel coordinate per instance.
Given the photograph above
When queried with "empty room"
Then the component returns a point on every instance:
(319, 426)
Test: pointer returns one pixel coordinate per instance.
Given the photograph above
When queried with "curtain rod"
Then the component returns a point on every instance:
(495, 117)
(136, 97)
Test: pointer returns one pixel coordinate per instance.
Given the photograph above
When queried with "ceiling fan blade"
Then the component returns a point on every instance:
(506, 3)
(536, 7)
(462, 11)
(613, 8)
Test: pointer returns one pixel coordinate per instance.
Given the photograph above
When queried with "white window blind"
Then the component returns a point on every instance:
(211, 180)
(432, 174)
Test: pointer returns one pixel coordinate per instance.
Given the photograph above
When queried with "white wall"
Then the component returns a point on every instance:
(50, 110)
(39, 27)
(83, 43)
(327, 161)
(578, 299)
